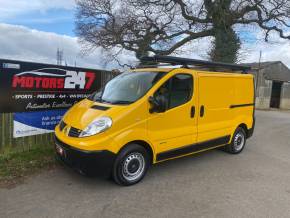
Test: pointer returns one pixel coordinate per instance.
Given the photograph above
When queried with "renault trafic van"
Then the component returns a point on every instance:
(150, 115)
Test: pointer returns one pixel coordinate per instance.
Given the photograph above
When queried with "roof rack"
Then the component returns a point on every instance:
(193, 62)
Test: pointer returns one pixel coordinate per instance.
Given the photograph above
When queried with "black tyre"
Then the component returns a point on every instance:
(238, 142)
(130, 165)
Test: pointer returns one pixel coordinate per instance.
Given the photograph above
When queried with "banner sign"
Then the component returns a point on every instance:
(34, 123)
(28, 86)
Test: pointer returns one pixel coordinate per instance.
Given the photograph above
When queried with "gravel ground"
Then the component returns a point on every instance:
(255, 183)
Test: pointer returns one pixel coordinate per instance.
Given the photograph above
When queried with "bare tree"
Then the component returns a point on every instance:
(164, 26)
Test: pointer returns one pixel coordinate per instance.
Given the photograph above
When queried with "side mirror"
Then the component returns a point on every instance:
(158, 104)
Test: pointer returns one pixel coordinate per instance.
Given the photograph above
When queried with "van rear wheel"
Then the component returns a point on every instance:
(238, 141)
(131, 165)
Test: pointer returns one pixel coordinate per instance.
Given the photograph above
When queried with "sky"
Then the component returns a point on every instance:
(45, 15)
(33, 30)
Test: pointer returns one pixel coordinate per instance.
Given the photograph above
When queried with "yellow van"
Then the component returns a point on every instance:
(150, 115)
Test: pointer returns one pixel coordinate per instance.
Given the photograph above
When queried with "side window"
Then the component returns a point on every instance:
(181, 90)
(177, 90)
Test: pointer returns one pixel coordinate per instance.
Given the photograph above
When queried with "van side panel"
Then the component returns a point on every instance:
(216, 94)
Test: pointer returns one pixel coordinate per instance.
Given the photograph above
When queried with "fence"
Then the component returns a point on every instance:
(7, 142)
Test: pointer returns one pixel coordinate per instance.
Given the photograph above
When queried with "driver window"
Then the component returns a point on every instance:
(177, 90)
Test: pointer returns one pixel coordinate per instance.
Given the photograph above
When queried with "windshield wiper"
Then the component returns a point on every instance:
(98, 99)
(97, 96)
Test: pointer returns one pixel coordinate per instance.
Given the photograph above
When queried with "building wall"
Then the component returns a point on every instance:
(263, 94)
(263, 89)
(285, 96)
(263, 82)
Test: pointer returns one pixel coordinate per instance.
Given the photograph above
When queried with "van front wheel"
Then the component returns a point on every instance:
(238, 141)
(131, 165)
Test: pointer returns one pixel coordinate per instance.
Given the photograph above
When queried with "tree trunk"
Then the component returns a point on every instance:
(226, 45)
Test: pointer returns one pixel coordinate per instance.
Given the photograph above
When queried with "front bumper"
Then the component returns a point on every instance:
(86, 162)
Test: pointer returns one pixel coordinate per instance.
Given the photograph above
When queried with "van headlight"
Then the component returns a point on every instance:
(98, 125)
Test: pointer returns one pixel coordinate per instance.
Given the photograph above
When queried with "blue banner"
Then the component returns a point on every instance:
(34, 123)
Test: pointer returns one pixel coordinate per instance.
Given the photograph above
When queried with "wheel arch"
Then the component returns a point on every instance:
(245, 127)
(144, 144)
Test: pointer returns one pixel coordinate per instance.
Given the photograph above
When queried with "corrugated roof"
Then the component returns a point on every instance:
(256, 65)
(273, 70)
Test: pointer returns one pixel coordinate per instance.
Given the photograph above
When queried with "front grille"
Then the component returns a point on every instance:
(62, 125)
(74, 132)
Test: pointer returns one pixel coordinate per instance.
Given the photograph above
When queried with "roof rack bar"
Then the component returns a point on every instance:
(153, 65)
(186, 61)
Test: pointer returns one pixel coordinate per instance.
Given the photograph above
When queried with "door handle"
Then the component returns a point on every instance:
(192, 112)
(201, 112)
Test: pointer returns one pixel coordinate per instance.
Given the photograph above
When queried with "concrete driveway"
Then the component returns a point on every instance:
(255, 183)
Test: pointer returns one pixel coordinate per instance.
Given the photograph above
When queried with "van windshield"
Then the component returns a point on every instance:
(127, 87)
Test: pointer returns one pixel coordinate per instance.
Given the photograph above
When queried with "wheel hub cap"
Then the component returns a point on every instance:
(239, 141)
(133, 166)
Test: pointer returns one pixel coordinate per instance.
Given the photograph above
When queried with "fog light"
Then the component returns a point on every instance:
(59, 150)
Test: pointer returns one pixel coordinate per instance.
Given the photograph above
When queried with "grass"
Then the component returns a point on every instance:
(14, 166)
